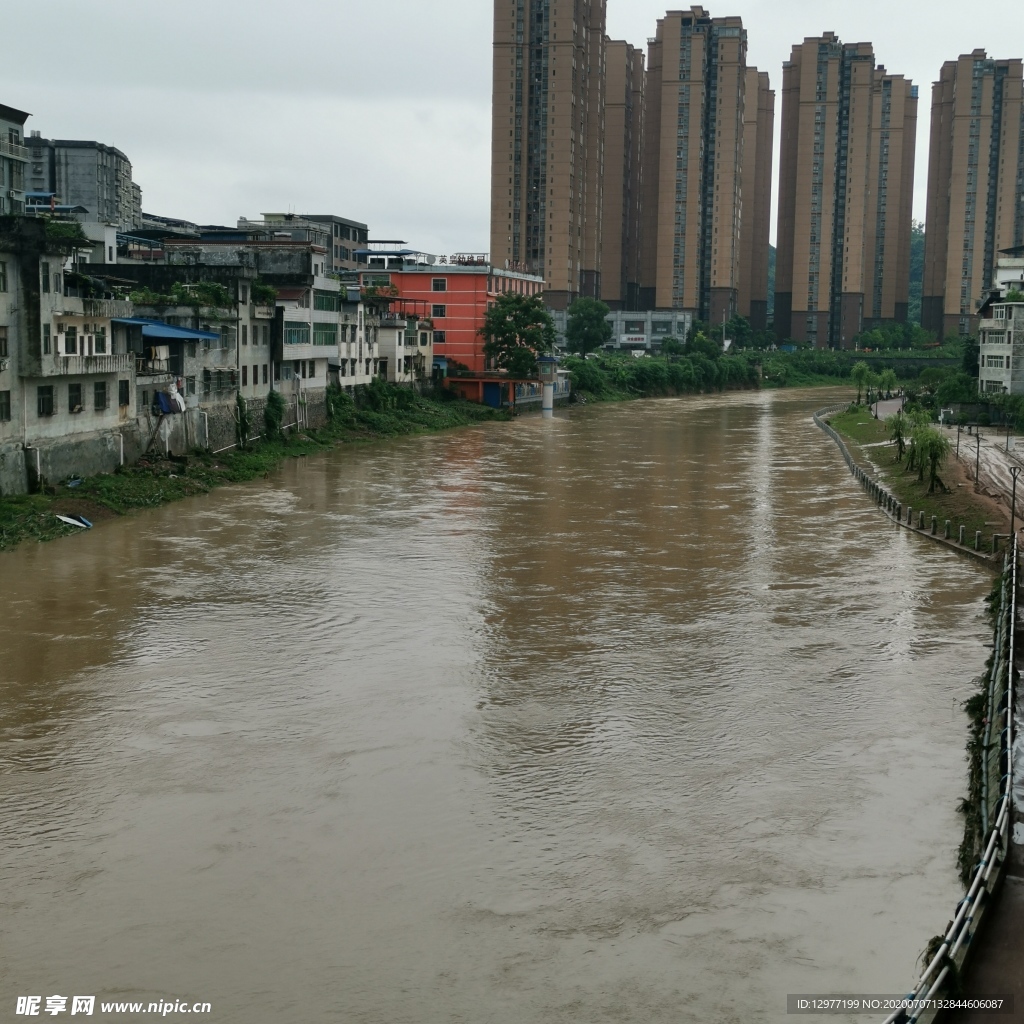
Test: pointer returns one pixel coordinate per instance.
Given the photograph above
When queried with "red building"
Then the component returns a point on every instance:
(457, 290)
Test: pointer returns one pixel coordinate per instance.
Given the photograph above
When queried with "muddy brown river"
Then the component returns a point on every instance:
(640, 714)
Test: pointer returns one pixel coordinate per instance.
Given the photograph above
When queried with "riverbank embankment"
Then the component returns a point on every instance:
(157, 479)
(954, 500)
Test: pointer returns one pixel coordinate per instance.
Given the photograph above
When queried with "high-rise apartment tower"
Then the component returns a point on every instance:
(975, 185)
(623, 151)
(755, 223)
(846, 173)
(547, 142)
(694, 209)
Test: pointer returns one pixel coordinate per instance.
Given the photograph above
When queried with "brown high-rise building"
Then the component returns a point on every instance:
(846, 174)
(547, 142)
(623, 151)
(975, 175)
(694, 140)
(755, 222)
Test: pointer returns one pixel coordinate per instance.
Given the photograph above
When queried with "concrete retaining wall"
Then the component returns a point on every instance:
(215, 427)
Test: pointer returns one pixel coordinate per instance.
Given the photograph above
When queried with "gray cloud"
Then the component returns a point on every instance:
(376, 110)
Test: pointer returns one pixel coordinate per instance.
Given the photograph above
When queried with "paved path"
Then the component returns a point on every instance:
(997, 965)
(993, 462)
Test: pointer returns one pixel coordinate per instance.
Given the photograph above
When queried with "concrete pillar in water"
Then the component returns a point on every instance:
(899, 510)
(948, 529)
(910, 515)
(977, 540)
(920, 520)
(547, 367)
(935, 523)
(963, 533)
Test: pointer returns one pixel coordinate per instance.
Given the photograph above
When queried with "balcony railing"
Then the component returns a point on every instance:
(8, 148)
(75, 366)
(152, 367)
(107, 308)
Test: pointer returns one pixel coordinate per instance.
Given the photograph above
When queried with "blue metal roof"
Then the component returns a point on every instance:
(158, 329)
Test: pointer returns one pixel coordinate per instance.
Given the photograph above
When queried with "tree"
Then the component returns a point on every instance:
(969, 361)
(897, 425)
(739, 332)
(859, 375)
(586, 329)
(887, 381)
(935, 449)
(517, 329)
(700, 344)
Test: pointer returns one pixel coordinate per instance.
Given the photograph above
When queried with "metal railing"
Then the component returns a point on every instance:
(996, 807)
(8, 148)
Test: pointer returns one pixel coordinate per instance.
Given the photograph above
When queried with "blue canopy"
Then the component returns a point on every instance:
(158, 329)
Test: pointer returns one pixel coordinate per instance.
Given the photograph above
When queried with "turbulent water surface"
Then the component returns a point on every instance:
(641, 714)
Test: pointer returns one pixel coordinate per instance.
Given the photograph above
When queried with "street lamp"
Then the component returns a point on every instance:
(1014, 472)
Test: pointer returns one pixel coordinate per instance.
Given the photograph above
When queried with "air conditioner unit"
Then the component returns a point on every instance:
(11, 194)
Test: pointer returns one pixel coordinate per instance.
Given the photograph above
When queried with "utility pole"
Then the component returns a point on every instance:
(958, 440)
(977, 461)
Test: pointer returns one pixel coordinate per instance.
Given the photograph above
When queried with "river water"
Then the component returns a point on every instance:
(640, 714)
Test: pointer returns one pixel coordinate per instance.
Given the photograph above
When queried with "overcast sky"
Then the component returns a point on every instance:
(377, 110)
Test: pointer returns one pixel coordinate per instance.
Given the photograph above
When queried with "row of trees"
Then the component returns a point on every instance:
(914, 436)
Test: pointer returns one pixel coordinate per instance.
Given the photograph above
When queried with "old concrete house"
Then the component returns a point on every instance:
(66, 375)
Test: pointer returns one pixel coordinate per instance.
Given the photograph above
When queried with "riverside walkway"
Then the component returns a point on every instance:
(996, 965)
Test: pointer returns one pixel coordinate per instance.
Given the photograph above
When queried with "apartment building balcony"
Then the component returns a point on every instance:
(79, 366)
(11, 149)
(107, 309)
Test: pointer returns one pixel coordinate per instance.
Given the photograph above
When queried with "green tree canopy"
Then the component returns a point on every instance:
(586, 328)
(700, 344)
(957, 388)
(898, 427)
(859, 374)
(517, 329)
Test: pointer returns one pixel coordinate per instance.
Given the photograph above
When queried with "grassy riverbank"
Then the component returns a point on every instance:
(386, 412)
(959, 503)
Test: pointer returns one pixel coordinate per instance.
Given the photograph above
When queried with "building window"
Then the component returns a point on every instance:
(439, 284)
(3, 276)
(99, 395)
(439, 337)
(245, 334)
(243, 294)
(329, 301)
(44, 400)
(46, 339)
(264, 373)
(70, 341)
(46, 278)
(438, 311)
(74, 398)
(325, 334)
(100, 341)
(245, 375)
(296, 333)
(4, 353)
(423, 338)
(123, 393)
(5, 406)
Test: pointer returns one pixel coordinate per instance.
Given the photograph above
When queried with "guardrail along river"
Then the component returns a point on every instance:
(643, 713)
